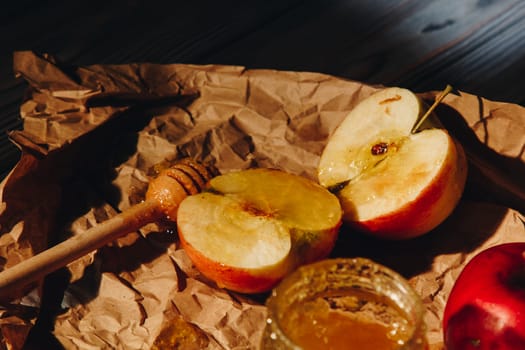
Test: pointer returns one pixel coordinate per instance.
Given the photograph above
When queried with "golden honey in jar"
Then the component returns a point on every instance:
(344, 304)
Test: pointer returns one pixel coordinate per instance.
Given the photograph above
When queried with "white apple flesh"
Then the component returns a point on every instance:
(251, 228)
(391, 182)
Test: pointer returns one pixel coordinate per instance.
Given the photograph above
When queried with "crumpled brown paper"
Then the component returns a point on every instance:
(92, 135)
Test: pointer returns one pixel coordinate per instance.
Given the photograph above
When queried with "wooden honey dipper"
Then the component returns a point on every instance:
(163, 196)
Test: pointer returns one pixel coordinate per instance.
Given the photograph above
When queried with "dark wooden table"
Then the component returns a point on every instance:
(478, 46)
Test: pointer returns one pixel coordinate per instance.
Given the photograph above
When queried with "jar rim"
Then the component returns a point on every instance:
(291, 289)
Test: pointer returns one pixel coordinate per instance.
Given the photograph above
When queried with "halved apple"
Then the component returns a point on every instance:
(252, 227)
(392, 182)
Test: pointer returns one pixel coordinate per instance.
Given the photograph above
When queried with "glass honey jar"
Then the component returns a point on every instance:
(344, 303)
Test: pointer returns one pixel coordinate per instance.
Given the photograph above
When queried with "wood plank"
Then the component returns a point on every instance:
(110, 32)
(476, 45)
(420, 45)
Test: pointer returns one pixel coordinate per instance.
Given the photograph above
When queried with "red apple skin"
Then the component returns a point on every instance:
(260, 280)
(486, 307)
(242, 280)
(429, 209)
(321, 248)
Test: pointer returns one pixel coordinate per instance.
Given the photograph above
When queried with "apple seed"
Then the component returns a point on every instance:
(379, 148)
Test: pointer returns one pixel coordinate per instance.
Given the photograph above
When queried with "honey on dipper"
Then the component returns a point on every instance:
(165, 193)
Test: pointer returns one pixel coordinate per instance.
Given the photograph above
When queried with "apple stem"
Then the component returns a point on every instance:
(437, 101)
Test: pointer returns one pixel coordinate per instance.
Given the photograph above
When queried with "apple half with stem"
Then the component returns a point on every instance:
(393, 180)
(252, 227)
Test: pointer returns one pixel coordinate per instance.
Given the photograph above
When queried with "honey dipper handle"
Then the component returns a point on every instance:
(24, 273)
